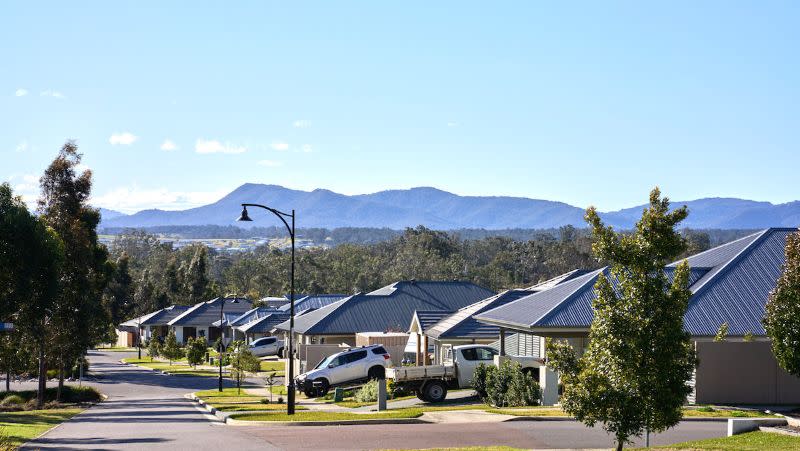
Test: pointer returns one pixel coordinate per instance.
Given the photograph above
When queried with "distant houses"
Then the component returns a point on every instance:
(730, 284)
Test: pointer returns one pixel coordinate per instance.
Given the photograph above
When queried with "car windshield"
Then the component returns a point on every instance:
(326, 361)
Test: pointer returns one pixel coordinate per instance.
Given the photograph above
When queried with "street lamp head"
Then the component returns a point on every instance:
(244, 216)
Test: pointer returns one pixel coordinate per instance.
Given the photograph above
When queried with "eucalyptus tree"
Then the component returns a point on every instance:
(782, 318)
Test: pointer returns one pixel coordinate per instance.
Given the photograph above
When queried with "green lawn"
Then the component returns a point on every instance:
(273, 365)
(177, 368)
(751, 441)
(231, 392)
(118, 349)
(328, 416)
(20, 427)
(687, 413)
(245, 406)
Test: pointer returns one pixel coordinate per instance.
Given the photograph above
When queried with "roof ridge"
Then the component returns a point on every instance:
(727, 265)
(189, 310)
(553, 309)
(334, 307)
(677, 262)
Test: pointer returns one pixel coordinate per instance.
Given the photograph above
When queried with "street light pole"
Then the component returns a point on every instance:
(221, 339)
(282, 216)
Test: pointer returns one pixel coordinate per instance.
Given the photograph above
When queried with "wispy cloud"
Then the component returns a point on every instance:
(307, 148)
(27, 186)
(301, 123)
(280, 145)
(23, 146)
(452, 124)
(270, 163)
(21, 92)
(133, 199)
(122, 139)
(168, 145)
(213, 146)
(52, 93)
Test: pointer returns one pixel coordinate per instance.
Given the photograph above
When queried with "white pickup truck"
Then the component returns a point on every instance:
(431, 382)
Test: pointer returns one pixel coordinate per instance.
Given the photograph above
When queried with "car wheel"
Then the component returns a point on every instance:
(435, 391)
(321, 386)
(376, 372)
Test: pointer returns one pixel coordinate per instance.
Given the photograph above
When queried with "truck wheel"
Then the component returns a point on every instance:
(435, 391)
(421, 396)
(376, 372)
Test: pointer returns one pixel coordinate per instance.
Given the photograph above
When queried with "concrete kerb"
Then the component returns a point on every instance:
(742, 425)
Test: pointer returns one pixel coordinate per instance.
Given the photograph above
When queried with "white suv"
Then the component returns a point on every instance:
(267, 346)
(348, 367)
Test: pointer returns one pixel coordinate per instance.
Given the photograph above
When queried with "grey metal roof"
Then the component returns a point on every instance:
(461, 324)
(734, 290)
(204, 314)
(313, 301)
(428, 318)
(159, 317)
(388, 308)
(264, 324)
(550, 283)
(238, 319)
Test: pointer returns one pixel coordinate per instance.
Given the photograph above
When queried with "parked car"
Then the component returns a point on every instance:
(267, 346)
(352, 366)
(431, 382)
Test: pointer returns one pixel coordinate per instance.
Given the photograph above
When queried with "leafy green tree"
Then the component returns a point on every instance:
(79, 319)
(242, 362)
(195, 279)
(29, 291)
(782, 318)
(196, 350)
(171, 349)
(153, 348)
(119, 295)
(633, 376)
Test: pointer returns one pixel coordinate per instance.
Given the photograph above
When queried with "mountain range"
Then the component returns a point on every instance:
(437, 209)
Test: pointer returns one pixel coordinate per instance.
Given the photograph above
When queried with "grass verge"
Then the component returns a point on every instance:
(751, 441)
(20, 427)
(328, 416)
(177, 368)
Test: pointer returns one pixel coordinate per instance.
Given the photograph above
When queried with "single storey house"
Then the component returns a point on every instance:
(198, 320)
(730, 284)
(443, 330)
(154, 324)
(387, 309)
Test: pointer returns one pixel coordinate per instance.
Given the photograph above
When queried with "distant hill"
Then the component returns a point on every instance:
(107, 215)
(437, 209)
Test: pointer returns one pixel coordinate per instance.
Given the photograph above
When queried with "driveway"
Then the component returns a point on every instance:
(147, 410)
(144, 410)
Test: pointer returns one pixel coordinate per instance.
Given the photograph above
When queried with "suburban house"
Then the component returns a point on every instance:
(384, 310)
(441, 330)
(261, 326)
(155, 324)
(198, 320)
(730, 284)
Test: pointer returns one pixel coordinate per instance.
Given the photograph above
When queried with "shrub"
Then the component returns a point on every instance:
(12, 400)
(153, 348)
(280, 399)
(196, 351)
(479, 380)
(367, 393)
(396, 390)
(507, 386)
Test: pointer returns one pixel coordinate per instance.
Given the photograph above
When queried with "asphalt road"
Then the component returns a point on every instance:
(146, 410)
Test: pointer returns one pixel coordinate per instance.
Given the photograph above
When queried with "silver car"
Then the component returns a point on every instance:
(267, 346)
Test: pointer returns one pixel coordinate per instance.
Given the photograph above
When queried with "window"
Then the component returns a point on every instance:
(478, 354)
(269, 341)
(485, 354)
(379, 350)
(354, 356)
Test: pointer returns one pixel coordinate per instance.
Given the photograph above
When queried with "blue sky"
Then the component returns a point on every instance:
(581, 102)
